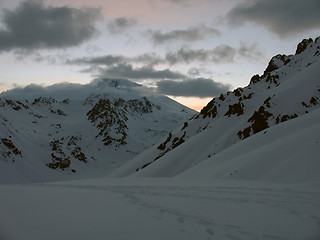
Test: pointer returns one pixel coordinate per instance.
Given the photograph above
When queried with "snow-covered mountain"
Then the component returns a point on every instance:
(71, 130)
(222, 137)
(246, 167)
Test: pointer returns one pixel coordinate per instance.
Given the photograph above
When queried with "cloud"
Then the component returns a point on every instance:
(186, 55)
(189, 35)
(184, 3)
(194, 72)
(284, 17)
(220, 54)
(32, 25)
(77, 91)
(200, 87)
(110, 60)
(145, 72)
(150, 59)
(102, 60)
(119, 66)
(197, 72)
(119, 25)
(250, 52)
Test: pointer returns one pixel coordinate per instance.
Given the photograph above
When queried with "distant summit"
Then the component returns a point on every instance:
(116, 83)
(72, 130)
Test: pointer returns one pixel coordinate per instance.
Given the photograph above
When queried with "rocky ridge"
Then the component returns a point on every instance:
(268, 100)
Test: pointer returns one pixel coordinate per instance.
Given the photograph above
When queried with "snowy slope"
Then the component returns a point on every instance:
(288, 152)
(80, 130)
(289, 88)
(133, 208)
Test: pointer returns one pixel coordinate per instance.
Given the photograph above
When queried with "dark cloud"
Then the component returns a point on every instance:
(121, 66)
(149, 59)
(223, 53)
(250, 52)
(76, 91)
(200, 87)
(146, 72)
(189, 35)
(284, 17)
(33, 25)
(186, 55)
(102, 60)
(118, 25)
(184, 3)
(219, 54)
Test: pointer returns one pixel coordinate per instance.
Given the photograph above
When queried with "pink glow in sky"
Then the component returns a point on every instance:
(161, 12)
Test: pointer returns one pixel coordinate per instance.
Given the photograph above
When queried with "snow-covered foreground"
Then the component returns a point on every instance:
(157, 208)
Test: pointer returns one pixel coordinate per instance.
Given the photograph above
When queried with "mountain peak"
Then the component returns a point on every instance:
(69, 130)
(303, 45)
(289, 88)
(116, 83)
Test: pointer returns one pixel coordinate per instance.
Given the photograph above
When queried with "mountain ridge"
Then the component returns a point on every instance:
(288, 88)
(44, 138)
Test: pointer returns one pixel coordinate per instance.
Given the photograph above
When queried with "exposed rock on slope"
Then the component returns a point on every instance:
(288, 88)
(51, 138)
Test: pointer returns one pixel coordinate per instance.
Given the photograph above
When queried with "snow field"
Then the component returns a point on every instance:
(156, 208)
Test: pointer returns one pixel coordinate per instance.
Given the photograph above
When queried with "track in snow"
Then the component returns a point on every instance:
(157, 211)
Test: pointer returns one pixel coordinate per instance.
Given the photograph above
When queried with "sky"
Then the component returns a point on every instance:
(189, 50)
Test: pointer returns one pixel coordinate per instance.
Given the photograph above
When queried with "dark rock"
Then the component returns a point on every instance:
(283, 118)
(184, 126)
(254, 79)
(209, 110)
(235, 109)
(259, 121)
(237, 92)
(162, 146)
(303, 45)
(267, 102)
(9, 144)
(221, 97)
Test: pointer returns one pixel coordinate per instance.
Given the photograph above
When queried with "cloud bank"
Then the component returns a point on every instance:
(77, 91)
(33, 25)
(102, 60)
(145, 72)
(200, 87)
(220, 54)
(283, 18)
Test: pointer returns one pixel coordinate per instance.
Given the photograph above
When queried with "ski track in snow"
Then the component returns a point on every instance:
(205, 211)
